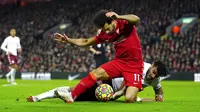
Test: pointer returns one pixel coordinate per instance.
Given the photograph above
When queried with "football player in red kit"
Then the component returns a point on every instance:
(119, 30)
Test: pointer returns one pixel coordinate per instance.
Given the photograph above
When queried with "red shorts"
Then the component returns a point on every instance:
(116, 69)
(12, 59)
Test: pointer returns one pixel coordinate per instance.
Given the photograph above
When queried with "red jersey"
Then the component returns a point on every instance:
(128, 49)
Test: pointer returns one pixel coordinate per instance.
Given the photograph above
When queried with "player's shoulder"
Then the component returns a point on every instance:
(8, 37)
(146, 68)
(124, 24)
(102, 34)
(17, 37)
(147, 64)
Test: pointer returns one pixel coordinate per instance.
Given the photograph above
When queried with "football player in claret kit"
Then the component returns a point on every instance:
(11, 45)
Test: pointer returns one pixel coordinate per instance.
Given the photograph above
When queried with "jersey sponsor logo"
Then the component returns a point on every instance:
(72, 77)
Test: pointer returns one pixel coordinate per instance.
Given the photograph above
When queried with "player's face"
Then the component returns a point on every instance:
(109, 28)
(152, 74)
(12, 32)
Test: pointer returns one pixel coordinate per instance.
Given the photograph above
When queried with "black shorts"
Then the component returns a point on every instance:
(89, 94)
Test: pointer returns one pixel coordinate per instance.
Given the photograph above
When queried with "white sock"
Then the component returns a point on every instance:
(8, 74)
(51, 94)
(138, 99)
(12, 72)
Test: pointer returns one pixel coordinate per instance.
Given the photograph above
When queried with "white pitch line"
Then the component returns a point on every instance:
(8, 85)
(16, 85)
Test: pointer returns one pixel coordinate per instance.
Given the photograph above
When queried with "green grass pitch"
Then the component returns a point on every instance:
(179, 97)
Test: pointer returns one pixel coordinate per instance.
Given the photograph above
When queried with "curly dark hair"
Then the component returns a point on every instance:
(161, 68)
(100, 18)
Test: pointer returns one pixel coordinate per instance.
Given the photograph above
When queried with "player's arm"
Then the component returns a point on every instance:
(147, 100)
(19, 48)
(119, 93)
(3, 46)
(82, 42)
(131, 18)
(158, 94)
(94, 51)
(79, 42)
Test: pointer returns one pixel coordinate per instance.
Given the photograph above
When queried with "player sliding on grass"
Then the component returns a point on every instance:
(119, 30)
(152, 75)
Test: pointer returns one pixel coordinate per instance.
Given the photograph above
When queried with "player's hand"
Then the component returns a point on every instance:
(9, 53)
(60, 38)
(19, 50)
(112, 15)
(159, 98)
(98, 52)
(119, 93)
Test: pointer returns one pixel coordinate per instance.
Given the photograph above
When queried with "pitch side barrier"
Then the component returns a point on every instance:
(182, 76)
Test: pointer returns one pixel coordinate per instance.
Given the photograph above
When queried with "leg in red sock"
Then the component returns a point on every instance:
(84, 84)
(89, 81)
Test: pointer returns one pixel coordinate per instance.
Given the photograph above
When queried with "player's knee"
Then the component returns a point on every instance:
(96, 75)
(129, 98)
(93, 73)
(131, 93)
(100, 74)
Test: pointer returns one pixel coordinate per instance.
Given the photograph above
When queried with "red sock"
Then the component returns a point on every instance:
(83, 85)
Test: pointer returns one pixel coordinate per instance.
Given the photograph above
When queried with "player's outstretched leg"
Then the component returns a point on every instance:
(49, 94)
(83, 85)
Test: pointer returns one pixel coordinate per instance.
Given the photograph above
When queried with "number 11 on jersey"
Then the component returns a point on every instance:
(136, 78)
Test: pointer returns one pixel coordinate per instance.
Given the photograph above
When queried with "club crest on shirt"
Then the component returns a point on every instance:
(117, 31)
